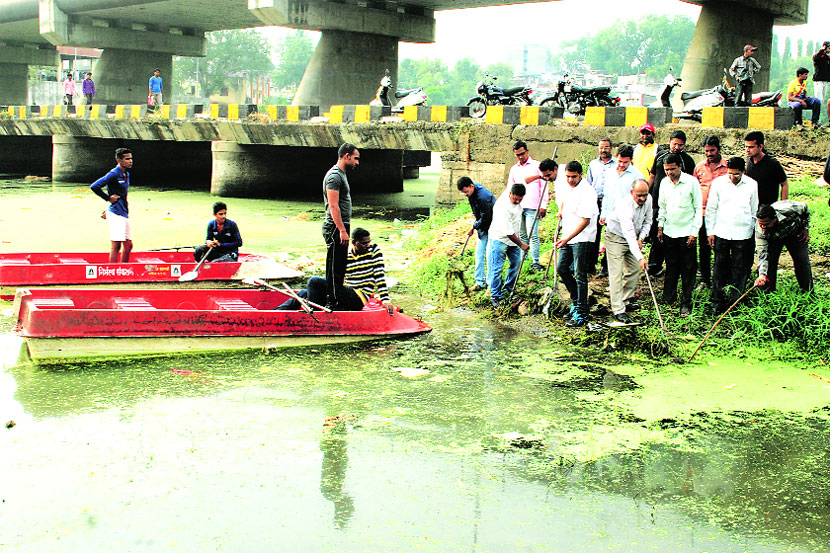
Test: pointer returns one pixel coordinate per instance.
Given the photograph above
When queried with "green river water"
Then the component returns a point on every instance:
(475, 437)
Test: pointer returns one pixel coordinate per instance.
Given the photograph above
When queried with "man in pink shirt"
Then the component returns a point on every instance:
(526, 172)
(710, 168)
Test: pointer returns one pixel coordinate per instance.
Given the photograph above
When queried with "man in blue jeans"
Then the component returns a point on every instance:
(504, 242)
(798, 100)
(579, 212)
(481, 202)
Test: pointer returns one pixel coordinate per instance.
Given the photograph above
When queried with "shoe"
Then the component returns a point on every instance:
(571, 312)
(576, 321)
(477, 288)
(685, 311)
(496, 304)
(537, 267)
(622, 318)
(632, 307)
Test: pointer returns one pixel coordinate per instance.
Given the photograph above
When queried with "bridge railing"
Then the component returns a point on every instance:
(629, 116)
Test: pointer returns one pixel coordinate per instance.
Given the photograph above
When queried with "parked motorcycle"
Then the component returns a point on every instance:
(410, 97)
(722, 95)
(669, 84)
(491, 95)
(574, 98)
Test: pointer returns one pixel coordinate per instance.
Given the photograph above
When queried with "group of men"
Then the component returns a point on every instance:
(642, 194)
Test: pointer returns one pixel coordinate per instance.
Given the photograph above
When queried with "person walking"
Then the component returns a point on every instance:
(744, 69)
(338, 202)
(68, 89)
(481, 203)
(730, 220)
(88, 88)
(155, 89)
(821, 78)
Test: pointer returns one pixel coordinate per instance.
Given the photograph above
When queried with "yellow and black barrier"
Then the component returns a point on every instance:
(767, 118)
(435, 114)
(627, 116)
(357, 113)
(134, 111)
(290, 113)
(522, 115)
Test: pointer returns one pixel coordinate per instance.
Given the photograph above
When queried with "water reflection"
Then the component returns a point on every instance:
(334, 445)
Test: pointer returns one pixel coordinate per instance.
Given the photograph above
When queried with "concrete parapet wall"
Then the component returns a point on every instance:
(763, 119)
(628, 116)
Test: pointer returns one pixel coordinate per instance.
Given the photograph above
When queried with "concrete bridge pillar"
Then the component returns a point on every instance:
(14, 68)
(122, 76)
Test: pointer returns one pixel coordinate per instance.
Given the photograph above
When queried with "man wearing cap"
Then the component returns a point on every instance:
(821, 77)
(646, 151)
(744, 69)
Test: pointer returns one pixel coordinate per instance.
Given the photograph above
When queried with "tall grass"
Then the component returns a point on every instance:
(803, 190)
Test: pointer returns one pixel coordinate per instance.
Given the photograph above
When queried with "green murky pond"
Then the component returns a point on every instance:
(474, 437)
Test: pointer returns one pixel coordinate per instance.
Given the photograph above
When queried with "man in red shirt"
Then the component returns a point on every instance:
(710, 168)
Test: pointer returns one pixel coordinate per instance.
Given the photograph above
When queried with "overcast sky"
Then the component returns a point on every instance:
(486, 34)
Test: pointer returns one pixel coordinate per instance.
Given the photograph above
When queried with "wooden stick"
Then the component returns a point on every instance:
(555, 251)
(263, 284)
(719, 320)
(656, 307)
(464, 247)
(303, 303)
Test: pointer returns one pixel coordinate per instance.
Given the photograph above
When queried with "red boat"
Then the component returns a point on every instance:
(63, 325)
(154, 268)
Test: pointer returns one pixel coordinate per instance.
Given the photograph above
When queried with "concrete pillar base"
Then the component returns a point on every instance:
(715, 44)
(411, 172)
(121, 76)
(346, 69)
(14, 86)
(181, 165)
(26, 155)
(262, 171)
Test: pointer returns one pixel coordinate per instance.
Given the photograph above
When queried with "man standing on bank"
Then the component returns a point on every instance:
(526, 172)
(678, 223)
(338, 202)
(765, 169)
(117, 182)
(626, 229)
(596, 178)
(730, 221)
(821, 77)
(744, 69)
(710, 168)
(481, 203)
(783, 224)
(504, 242)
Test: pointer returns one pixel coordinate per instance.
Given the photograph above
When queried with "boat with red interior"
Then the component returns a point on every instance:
(148, 268)
(64, 325)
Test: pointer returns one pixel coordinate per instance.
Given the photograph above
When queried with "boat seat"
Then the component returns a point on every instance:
(133, 304)
(15, 262)
(233, 304)
(73, 260)
(45, 303)
(149, 260)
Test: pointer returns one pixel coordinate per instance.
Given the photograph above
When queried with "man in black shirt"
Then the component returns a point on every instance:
(765, 169)
(338, 202)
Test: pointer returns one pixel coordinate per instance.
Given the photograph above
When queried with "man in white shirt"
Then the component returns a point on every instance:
(618, 181)
(679, 219)
(626, 229)
(730, 220)
(503, 242)
(526, 172)
(578, 210)
(596, 178)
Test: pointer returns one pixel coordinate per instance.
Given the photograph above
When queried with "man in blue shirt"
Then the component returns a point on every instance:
(481, 202)
(155, 88)
(117, 182)
(223, 238)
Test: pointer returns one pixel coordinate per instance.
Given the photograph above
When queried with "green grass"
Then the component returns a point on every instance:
(803, 190)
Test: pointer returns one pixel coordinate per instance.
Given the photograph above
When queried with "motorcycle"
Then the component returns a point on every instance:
(574, 98)
(722, 95)
(409, 97)
(491, 95)
(669, 84)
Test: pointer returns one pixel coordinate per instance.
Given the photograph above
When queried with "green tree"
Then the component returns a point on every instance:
(788, 52)
(294, 52)
(228, 53)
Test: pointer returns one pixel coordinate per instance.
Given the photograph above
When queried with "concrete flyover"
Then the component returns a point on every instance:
(359, 38)
(278, 159)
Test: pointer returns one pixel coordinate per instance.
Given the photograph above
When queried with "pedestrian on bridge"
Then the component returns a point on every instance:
(88, 89)
(155, 88)
(68, 89)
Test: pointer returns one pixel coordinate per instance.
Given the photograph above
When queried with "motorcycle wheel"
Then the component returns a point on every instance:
(478, 107)
(549, 102)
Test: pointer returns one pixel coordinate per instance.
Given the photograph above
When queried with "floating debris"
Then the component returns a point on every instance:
(410, 372)
(10, 424)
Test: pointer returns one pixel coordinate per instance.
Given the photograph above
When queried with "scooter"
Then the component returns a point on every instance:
(722, 95)
(574, 98)
(410, 97)
(669, 84)
(491, 95)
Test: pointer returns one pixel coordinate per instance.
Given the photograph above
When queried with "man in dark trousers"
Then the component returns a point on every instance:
(783, 224)
(338, 202)
(677, 145)
(821, 77)
(744, 69)
(223, 240)
(481, 202)
(765, 169)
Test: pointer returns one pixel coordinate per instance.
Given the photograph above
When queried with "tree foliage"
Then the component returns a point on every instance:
(649, 45)
(228, 53)
(449, 87)
(294, 53)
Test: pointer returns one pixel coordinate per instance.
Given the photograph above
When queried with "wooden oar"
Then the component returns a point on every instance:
(718, 321)
(289, 292)
(656, 307)
(191, 275)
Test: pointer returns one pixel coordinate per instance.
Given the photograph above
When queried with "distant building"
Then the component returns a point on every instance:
(530, 59)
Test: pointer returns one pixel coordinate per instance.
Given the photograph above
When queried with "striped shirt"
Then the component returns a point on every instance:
(366, 275)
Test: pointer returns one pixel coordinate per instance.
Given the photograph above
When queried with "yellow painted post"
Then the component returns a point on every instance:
(494, 115)
(336, 114)
(44, 111)
(761, 118)
(410, 113)
(181, 111)
(594, 116)
(213, 111)
(135, 111)
(636, 116)
(272, 112)
(362, 114)
(119, 112)
(438, 114)
(22, 112)
(292, 113)
(712, 117)
(10, 111)
(80, 111)
(94, 111)
(529, 115)
(165, 111)
(233, 112)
